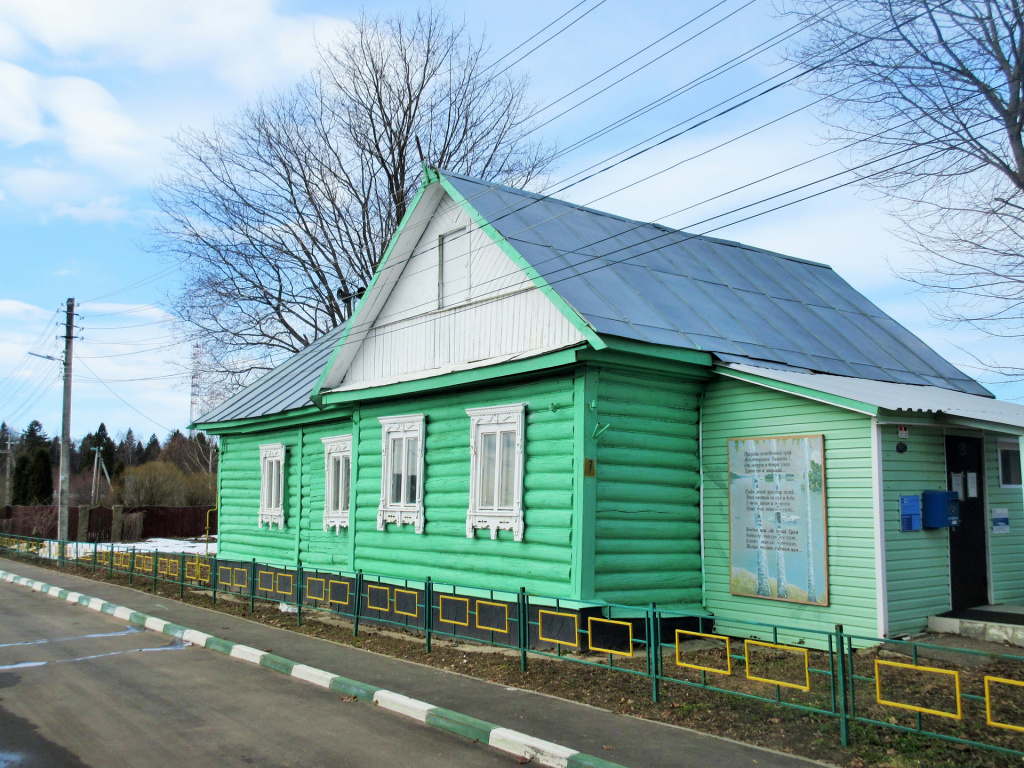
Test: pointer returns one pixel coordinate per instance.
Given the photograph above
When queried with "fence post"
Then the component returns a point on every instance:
(131, 568)
(844, 723)
(252, 587)
(359, 599)
(298, 596)
(181, 575)
(214, 574)
(110, 562)
(156, 571)
(654, 650)
(428, 609)
(524, 627)
(95, 551)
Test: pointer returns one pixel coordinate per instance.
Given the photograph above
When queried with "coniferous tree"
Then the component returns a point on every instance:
(152, 451)
(33, 478)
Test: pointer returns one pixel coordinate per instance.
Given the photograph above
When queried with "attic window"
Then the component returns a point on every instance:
(453, 272)
(401, 487)
(272, 485)
(338, 487)
(1009, 464)
(496, 440)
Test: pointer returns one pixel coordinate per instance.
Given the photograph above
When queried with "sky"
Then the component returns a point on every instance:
(91, 92)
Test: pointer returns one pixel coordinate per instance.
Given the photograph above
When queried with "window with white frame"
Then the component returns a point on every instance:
(272, 485)
(401, 488)
(1009, 464)
(496, 441)
(338, 485)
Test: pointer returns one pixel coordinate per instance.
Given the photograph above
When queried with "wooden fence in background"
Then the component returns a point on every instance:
(157, 522)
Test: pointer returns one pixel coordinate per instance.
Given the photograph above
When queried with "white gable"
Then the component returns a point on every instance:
(456, 301)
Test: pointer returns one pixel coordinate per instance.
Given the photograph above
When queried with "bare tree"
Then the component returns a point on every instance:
(277, 212)
(929, 96)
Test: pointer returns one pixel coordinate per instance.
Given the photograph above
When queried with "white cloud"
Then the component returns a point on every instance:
(74, 111)
(105, 209)
(243, 42)
(12, 308)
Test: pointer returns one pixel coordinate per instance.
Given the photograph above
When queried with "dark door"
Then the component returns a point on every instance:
(968, 561)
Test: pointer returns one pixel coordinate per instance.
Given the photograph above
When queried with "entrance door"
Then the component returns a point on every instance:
(968, 560)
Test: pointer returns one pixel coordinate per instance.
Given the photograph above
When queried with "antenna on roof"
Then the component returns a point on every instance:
(419, 149)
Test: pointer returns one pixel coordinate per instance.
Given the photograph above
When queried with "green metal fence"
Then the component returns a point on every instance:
(965, 696)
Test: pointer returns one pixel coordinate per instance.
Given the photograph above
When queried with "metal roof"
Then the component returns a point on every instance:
(899, 398)
(285, 388)
(746, 305)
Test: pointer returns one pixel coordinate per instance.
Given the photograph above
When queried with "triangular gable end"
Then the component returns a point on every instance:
(438, 199)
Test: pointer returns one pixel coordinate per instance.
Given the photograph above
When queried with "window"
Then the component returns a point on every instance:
(453, 281)
(338, 486)
(401, 488)
(496, 470)
(272, 485)
(1009, 464)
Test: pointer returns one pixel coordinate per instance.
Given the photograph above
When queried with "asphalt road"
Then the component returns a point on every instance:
(78, 688)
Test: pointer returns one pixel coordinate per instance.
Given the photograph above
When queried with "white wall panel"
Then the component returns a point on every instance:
(502, 315)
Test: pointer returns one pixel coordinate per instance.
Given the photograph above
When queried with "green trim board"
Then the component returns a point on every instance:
(302, 416)
(811, 394)
(456, 378)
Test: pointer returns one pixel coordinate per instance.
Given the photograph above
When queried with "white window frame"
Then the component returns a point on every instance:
(397, 512)
(339, 448)
(497, 419)
(270, 512)
(1012, 445)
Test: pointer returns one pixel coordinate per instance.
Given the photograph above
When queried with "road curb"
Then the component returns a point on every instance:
(513, 742)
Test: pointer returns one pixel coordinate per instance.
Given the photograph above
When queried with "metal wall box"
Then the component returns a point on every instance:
(910, 513)
(940, 509)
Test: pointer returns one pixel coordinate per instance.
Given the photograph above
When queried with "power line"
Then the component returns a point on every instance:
(552, 37)
(534, 35)
(109, 389)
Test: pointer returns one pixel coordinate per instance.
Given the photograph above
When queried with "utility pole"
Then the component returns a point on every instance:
(95, 473)
(65, 430)
(7, 486)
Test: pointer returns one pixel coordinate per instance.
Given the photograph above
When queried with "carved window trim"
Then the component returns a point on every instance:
(337, 449)
(495, 420)
(272, 490)
(399, 511)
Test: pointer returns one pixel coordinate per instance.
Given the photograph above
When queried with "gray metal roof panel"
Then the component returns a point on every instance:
(907, 398)
(743, 299)
(285, 388)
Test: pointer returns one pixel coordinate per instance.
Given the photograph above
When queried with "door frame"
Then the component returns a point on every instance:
(981, 435)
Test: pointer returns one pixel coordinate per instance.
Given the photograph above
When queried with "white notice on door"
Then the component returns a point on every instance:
(972, 485)
(958, 484)
(1000, 520)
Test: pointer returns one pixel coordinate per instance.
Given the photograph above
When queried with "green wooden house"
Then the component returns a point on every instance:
(533, 395)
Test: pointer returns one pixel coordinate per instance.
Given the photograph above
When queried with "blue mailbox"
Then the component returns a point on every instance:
(941, 509)
(910, 513)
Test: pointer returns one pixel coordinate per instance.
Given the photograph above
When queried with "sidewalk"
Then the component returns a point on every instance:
(636, 743)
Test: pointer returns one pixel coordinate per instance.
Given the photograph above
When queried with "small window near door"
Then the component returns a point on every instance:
(1009, 464)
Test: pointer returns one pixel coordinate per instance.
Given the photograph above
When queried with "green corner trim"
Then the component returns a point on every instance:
(811, 394)
(553, 296)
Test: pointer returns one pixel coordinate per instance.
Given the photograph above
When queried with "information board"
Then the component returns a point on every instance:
(777, 518)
